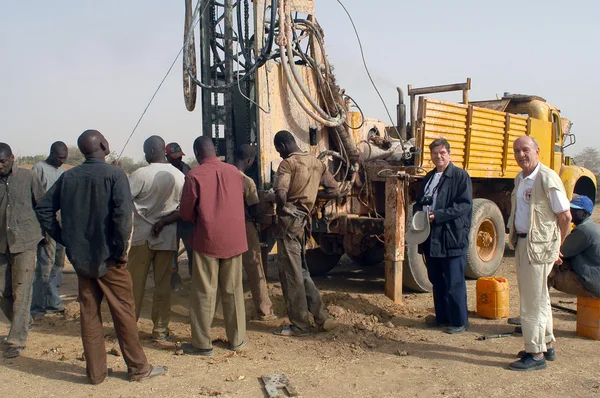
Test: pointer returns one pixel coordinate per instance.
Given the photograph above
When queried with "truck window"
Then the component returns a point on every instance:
(556, 127)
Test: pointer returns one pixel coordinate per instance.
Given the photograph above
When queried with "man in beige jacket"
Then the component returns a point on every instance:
(539, 221)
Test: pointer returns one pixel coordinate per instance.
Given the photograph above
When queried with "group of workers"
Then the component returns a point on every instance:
(114, 227)
(548, 254)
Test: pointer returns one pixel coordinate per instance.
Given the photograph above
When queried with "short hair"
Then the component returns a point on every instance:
(535, 143)
(284, 137)
(5, 149)
(440, 142)
(58, 145)
(246, 152)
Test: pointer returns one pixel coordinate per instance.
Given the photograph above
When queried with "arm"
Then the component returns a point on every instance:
(332, 187)
(189, 199)
(575, 243)
(163, 222)
(122, 216)
(462, 205)
(564, 222)
(46, 209)
(37, 190)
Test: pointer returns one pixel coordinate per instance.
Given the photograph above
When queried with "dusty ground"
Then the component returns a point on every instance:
(379, 350)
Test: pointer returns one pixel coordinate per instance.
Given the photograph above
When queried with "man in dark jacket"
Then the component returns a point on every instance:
(96, 213)
(447, 190)
(579, 273)
(20, 232)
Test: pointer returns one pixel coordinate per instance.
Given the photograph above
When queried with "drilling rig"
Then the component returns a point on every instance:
(264, 68)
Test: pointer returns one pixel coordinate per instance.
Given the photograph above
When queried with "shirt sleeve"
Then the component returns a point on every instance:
(575, 243)
(46, 210)
(330, 185)
(559, 201)
(122, 215)
(250, 192)
(189, 199)
(284, 176)
(136, 183)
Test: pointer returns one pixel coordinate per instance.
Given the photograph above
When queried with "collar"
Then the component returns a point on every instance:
(212, 159)
(449, 172)
(533, 174)
(297, 154)
(94, 160)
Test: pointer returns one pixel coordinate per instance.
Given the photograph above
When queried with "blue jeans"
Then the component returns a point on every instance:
(48, 277)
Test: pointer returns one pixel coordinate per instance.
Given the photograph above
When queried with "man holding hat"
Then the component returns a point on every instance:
(184, 230)
(578, 270)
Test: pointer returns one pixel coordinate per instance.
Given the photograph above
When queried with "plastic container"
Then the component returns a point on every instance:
(492, 297)
(588, 317)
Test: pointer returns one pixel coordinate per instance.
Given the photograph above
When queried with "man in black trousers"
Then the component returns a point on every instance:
(448, 193)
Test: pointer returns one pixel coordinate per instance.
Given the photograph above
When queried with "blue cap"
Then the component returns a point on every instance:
(582, 202)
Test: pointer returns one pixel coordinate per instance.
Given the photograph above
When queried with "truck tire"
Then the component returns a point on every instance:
(370, 257)
(486, 239)
(414, 271)
(319, 263)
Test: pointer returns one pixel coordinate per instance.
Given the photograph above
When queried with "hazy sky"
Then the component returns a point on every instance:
(72, 65)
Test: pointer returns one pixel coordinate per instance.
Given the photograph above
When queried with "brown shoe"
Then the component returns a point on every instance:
(155, 370)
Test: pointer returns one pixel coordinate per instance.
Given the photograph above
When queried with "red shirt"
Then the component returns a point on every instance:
(213, 199)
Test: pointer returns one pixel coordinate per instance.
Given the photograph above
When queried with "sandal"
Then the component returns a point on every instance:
(287, 331)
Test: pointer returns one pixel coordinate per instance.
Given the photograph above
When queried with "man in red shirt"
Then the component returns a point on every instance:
(213, 199)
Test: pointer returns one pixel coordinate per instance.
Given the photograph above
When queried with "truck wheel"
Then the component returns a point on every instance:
(414, 271)
(486, 239)
(319, 263)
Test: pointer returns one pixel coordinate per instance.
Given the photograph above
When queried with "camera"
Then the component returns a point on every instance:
(426, 200)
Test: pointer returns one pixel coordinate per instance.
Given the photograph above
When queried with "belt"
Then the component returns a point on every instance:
(522, 236)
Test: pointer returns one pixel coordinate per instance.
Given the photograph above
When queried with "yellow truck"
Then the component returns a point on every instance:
(481, 135)
(264, 68)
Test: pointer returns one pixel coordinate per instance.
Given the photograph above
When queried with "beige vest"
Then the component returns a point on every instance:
(543, 238)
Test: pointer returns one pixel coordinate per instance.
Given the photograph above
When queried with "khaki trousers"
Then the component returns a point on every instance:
(140, 259)
(299, 291)
(252, 261)
(210, 274)
(116, 286)
(536, 312)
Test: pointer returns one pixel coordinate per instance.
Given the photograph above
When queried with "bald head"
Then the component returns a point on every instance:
(204, 148)
(92, 144)
(154, 150)
(526, 151)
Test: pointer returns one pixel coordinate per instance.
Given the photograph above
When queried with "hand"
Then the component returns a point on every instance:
(294, 212)
(559, 260)
(45, 239)
(122, 260)
(431, 217)
(157, 228)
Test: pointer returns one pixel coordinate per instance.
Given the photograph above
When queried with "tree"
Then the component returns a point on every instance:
(126, 163)
(589, 158)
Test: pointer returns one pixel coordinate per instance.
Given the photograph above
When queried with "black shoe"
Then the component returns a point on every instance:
(456, 329)
(514, 321)
(191, 350)
(528, 363)
(550, 355)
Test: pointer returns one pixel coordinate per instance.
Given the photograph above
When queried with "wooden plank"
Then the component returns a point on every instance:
(394, 225)
(468, 137)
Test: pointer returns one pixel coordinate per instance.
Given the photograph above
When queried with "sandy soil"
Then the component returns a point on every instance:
(379, 350)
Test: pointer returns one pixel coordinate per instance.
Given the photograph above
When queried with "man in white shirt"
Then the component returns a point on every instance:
(540, 220)
(50, 255)
(156, 192)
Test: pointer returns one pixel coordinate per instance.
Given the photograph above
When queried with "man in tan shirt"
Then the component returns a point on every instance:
(252, 259)
(298, 180)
